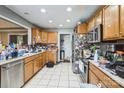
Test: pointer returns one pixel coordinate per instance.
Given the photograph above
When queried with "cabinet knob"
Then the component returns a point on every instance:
(99, 85)
(116, 34)
(109, 25)
(121, 32)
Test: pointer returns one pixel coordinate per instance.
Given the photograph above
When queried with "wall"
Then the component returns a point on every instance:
(64, 31)
(13, 17)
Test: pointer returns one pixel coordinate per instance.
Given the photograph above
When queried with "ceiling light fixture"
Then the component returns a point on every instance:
(50, 21)
(68, 20)
(69, 9)
(78, 22)
(60, 25)
(43, 10)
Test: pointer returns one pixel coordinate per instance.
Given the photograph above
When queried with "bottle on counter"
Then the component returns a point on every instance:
(96, 56)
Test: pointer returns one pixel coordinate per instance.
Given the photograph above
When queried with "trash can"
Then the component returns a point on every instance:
(75, 67)
(62, 54)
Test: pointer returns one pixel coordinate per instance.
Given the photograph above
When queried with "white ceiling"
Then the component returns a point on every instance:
(57, 13)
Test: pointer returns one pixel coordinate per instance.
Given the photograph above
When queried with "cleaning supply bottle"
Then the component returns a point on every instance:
(96, 56)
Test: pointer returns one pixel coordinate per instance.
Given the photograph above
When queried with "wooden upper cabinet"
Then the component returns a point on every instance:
(98, 18)
(111, 22)
(90, 24)
(82, 28)
(122, 21)
(36, 36)
(52, 37)
(0, 36)
(44, 37)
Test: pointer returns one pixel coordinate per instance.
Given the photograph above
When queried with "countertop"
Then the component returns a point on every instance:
(109, 72)
(3, 62)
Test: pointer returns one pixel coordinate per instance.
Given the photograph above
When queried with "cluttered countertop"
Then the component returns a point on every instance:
(112, 74)
(13, 53)
(2, 62)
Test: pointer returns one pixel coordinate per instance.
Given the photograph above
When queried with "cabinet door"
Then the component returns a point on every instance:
(52, 37)
(92, 78)
(36, 38)
(44, 58)
(52, 57)
(44, 37)
(111, 22)
(41, 61)
(106, 80)
(122, 20)
(0, 36)
(82, 28)
(36, 65)
(98, 18)
(90, 24)
(28, 71)
(107, 19)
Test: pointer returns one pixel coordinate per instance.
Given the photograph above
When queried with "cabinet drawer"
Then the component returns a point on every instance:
(104, 78)
(28, 59)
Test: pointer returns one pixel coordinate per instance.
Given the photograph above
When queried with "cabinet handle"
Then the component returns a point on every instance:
(121, 32)
(99, 85)
(116, 34)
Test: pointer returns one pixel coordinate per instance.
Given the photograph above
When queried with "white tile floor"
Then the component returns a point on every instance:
(60, 76)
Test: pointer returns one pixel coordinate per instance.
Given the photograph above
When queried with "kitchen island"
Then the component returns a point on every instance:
(104, 77)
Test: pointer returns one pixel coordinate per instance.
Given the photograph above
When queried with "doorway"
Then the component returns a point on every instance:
(65, 47)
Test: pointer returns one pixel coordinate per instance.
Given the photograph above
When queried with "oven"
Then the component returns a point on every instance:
(84, 69)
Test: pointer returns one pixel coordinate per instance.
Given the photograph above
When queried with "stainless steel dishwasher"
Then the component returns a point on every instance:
(12, 75)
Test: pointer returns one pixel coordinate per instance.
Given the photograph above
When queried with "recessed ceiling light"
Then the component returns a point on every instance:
(60, 25)
(50, 21)
(68, 20)
(69, 9)
(43, 10)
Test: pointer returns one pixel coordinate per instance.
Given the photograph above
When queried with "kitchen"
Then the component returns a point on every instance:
(85, 52)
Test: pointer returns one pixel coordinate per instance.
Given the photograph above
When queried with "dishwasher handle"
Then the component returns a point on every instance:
(8, 66)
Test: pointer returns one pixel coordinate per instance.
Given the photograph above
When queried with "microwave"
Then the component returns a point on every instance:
(95, 35)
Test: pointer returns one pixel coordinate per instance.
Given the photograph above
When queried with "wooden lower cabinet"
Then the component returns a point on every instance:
(97, 77)
(52, 56)
(28, 70)
(93, 79)
(40, 61)
(32, 65)
(36, 65)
